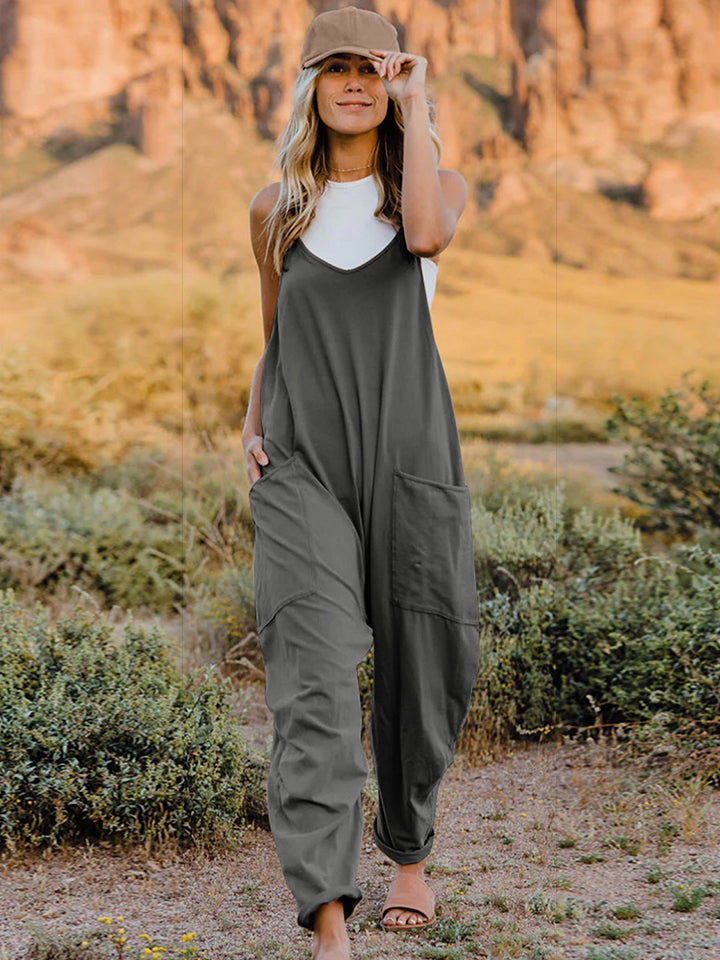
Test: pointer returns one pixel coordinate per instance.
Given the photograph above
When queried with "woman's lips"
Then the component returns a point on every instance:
(354, 106)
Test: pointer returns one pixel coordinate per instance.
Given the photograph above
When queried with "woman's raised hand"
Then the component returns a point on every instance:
(402, 73)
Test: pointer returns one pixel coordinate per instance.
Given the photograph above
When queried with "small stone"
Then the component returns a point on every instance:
(53, 912)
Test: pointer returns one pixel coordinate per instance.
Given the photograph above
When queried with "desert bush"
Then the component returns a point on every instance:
(203, 495)
(59, 532)
(573, 654)
(140, 534)
(534, 534)
(674, 464)
(580, 626)
(225, 610)
(112, 940)
(513, 553)
(104, 738)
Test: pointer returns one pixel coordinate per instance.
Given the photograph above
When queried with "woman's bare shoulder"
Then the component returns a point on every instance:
(260, 207)
(265, 199)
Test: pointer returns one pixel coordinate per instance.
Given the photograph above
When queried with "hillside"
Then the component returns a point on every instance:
(588, 131)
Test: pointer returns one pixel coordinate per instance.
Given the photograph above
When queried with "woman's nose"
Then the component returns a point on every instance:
(355, 80)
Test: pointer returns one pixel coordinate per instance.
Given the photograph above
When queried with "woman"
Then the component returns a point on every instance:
(361, 510)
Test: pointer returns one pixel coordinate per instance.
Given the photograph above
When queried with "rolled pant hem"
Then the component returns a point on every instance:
(403, 856)
(350, 897)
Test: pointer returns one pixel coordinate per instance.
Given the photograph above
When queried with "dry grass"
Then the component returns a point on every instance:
(124, 360)
(515, 332)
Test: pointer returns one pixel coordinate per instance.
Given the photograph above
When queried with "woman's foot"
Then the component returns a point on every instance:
(409, 917)
(330, 938)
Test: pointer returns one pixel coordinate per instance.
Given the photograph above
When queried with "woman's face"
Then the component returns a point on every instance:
(350, 77)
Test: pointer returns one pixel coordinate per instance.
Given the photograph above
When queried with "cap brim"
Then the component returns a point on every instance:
(363, 51)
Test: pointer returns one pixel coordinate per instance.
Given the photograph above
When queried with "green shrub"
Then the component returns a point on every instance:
(612, 953)
(61, 532)
(204, 496)
(55, 945)
(579, 626)
(227, 606)
(626, 911)
(611, 931)
(555, 910)
(366, 677)
(687, 898)
(519, 549)
(674, 465)
(655, 875)
(566, 652)
(139, 535)
(534, 534)
(113, 939)
(102, 738)
(591, 858)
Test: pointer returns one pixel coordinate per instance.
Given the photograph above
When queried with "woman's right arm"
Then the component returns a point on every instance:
(252, 439)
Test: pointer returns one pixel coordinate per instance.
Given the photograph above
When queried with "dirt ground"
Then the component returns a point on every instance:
(532, 855)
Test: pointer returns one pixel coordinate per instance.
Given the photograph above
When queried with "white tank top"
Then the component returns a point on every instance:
(345, 233)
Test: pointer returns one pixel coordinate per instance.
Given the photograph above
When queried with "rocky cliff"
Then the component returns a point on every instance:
(591, 84)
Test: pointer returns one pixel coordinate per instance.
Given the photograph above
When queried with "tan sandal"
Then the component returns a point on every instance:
(409, 892)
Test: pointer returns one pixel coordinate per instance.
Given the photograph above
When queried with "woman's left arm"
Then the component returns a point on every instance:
(433, 199)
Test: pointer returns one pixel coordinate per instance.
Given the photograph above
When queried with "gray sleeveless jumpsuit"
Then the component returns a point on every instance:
(362, 534)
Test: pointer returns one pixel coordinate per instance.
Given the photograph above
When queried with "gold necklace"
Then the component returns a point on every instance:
(348, 169)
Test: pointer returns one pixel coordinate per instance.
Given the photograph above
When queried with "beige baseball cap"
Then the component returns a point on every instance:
(347, 30)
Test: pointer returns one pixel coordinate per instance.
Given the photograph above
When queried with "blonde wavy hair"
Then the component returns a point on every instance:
(303, 158)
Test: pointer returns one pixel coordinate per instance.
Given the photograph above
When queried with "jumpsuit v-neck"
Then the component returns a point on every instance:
(362, 536)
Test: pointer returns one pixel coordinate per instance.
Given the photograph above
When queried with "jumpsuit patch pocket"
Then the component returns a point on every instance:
(433, 562)
(282, 567)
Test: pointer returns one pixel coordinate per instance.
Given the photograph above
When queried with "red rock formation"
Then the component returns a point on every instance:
(590, 77)
(71, 61)
(695, 29)
(155, 135)
(615, 70)
(672, 193)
